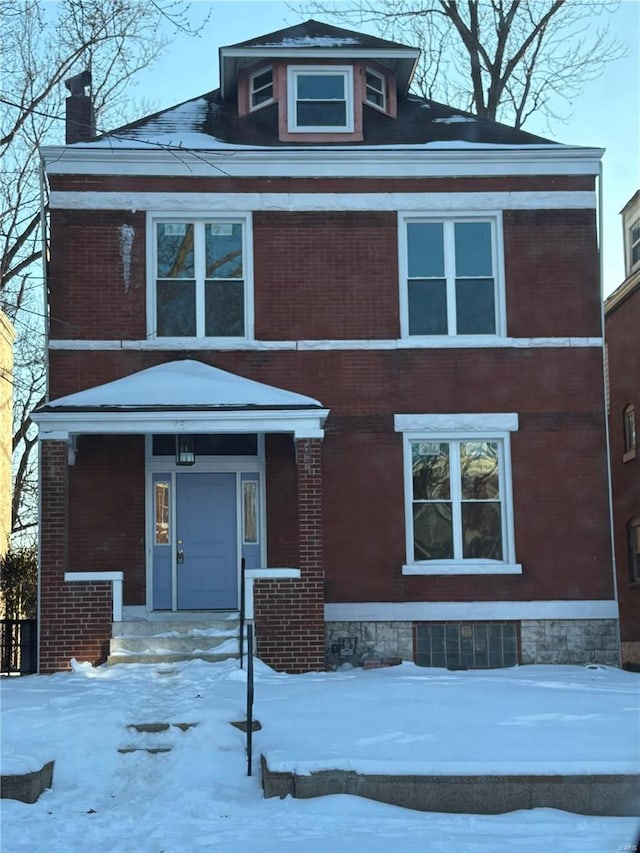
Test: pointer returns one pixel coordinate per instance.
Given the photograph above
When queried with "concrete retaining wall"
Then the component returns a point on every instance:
(611, 795)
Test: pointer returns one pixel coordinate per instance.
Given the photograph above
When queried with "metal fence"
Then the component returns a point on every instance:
(18, 646)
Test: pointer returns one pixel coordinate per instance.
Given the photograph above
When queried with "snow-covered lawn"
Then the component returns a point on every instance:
(405, 719)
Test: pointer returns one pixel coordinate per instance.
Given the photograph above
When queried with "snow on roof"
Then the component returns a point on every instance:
(313, 41)
(182, 384)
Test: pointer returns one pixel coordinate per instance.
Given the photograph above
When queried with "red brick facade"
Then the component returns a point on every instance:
(74, 618)
(623, 356)
(290, 613)
(325, 286)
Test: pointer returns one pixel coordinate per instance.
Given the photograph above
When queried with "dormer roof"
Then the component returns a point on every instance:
(318, 41)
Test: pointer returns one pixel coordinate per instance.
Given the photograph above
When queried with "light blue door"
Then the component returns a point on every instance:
(206, 537)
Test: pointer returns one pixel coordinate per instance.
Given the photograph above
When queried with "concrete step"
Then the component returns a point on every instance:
(181, 643)
(169, 657)
(146, 641)
(164, 628)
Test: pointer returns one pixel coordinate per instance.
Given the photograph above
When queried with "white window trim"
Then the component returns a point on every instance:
(292, 73)
(455, 427)
(186, 216)
(494, 217)
(381, 77)
(252, 77)
(635, 223)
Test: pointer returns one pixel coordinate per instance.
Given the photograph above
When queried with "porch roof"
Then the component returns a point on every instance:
(181, 396)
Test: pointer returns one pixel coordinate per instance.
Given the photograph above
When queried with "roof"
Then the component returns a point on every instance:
(179, 397)
(317, 40)
(185, 384)
(318, 34)
(208, 122)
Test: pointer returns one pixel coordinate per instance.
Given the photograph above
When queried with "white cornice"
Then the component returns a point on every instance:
(409, 161)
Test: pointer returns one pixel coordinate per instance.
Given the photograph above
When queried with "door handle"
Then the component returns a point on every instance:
(180, 553)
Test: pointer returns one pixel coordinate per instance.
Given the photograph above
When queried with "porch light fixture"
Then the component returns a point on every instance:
(185, 452)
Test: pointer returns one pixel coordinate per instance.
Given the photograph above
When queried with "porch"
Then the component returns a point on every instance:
(175, 476)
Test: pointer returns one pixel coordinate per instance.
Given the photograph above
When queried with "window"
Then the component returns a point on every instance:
(458, 494)
(320, 99)
(162, 533)
(629, 431)
(633, 540)
(450, 273)
(634, 243)
(375, 90)
(261, 88)
(200, 279)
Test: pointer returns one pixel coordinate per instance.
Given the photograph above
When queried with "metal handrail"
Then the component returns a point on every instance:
(249, 697)
(242, 609)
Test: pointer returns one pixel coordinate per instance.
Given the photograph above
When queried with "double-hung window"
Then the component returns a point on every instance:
(375, 90)
(458, 494)
(320, 99)
(450, 276)
(261, 88)
(629, 432)
(634, 244)
(200, 278)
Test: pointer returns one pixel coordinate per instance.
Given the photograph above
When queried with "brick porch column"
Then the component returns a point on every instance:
(289, 614)
(74, 618)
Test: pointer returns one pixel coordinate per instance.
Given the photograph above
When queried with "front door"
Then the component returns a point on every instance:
(206, 542)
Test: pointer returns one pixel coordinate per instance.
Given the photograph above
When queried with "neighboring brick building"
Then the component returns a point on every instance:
(7, 336)
(622, 333)
(373, 324)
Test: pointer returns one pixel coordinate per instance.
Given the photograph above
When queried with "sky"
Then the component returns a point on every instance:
(606, 115)
(399, 720)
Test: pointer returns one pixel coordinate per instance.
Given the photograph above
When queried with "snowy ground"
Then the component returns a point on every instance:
(399, 720)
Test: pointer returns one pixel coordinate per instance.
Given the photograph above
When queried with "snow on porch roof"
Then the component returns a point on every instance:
(181, 396)
(185, 384)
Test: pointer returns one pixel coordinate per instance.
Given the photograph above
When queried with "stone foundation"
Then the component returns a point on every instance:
(354, 642)
(557, 641)
(570, 641)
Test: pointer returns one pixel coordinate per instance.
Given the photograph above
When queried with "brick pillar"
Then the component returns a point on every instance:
(289, 614)
(74, 618)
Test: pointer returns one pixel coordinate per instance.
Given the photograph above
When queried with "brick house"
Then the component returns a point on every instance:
(622, 325)
(349, 336)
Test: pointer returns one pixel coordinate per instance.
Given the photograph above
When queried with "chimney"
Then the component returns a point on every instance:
(80, 125)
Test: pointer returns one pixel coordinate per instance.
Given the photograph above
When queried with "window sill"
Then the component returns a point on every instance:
(629, 455)
(467, 567)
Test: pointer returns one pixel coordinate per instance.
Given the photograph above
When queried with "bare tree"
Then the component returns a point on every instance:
(501, 59)
(42, 45)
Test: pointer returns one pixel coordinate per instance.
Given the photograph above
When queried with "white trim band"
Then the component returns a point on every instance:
(426, 611)
(116, 579)
(466, 202)
(458, 422)
(57, 425)
(468, 567)
(414, 342)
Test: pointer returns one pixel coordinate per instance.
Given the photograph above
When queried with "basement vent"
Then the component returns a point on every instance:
(464, 645)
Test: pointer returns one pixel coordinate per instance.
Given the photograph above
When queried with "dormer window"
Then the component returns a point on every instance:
(320, 99)
(375, 92)
(634, 244)
(261, 88)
